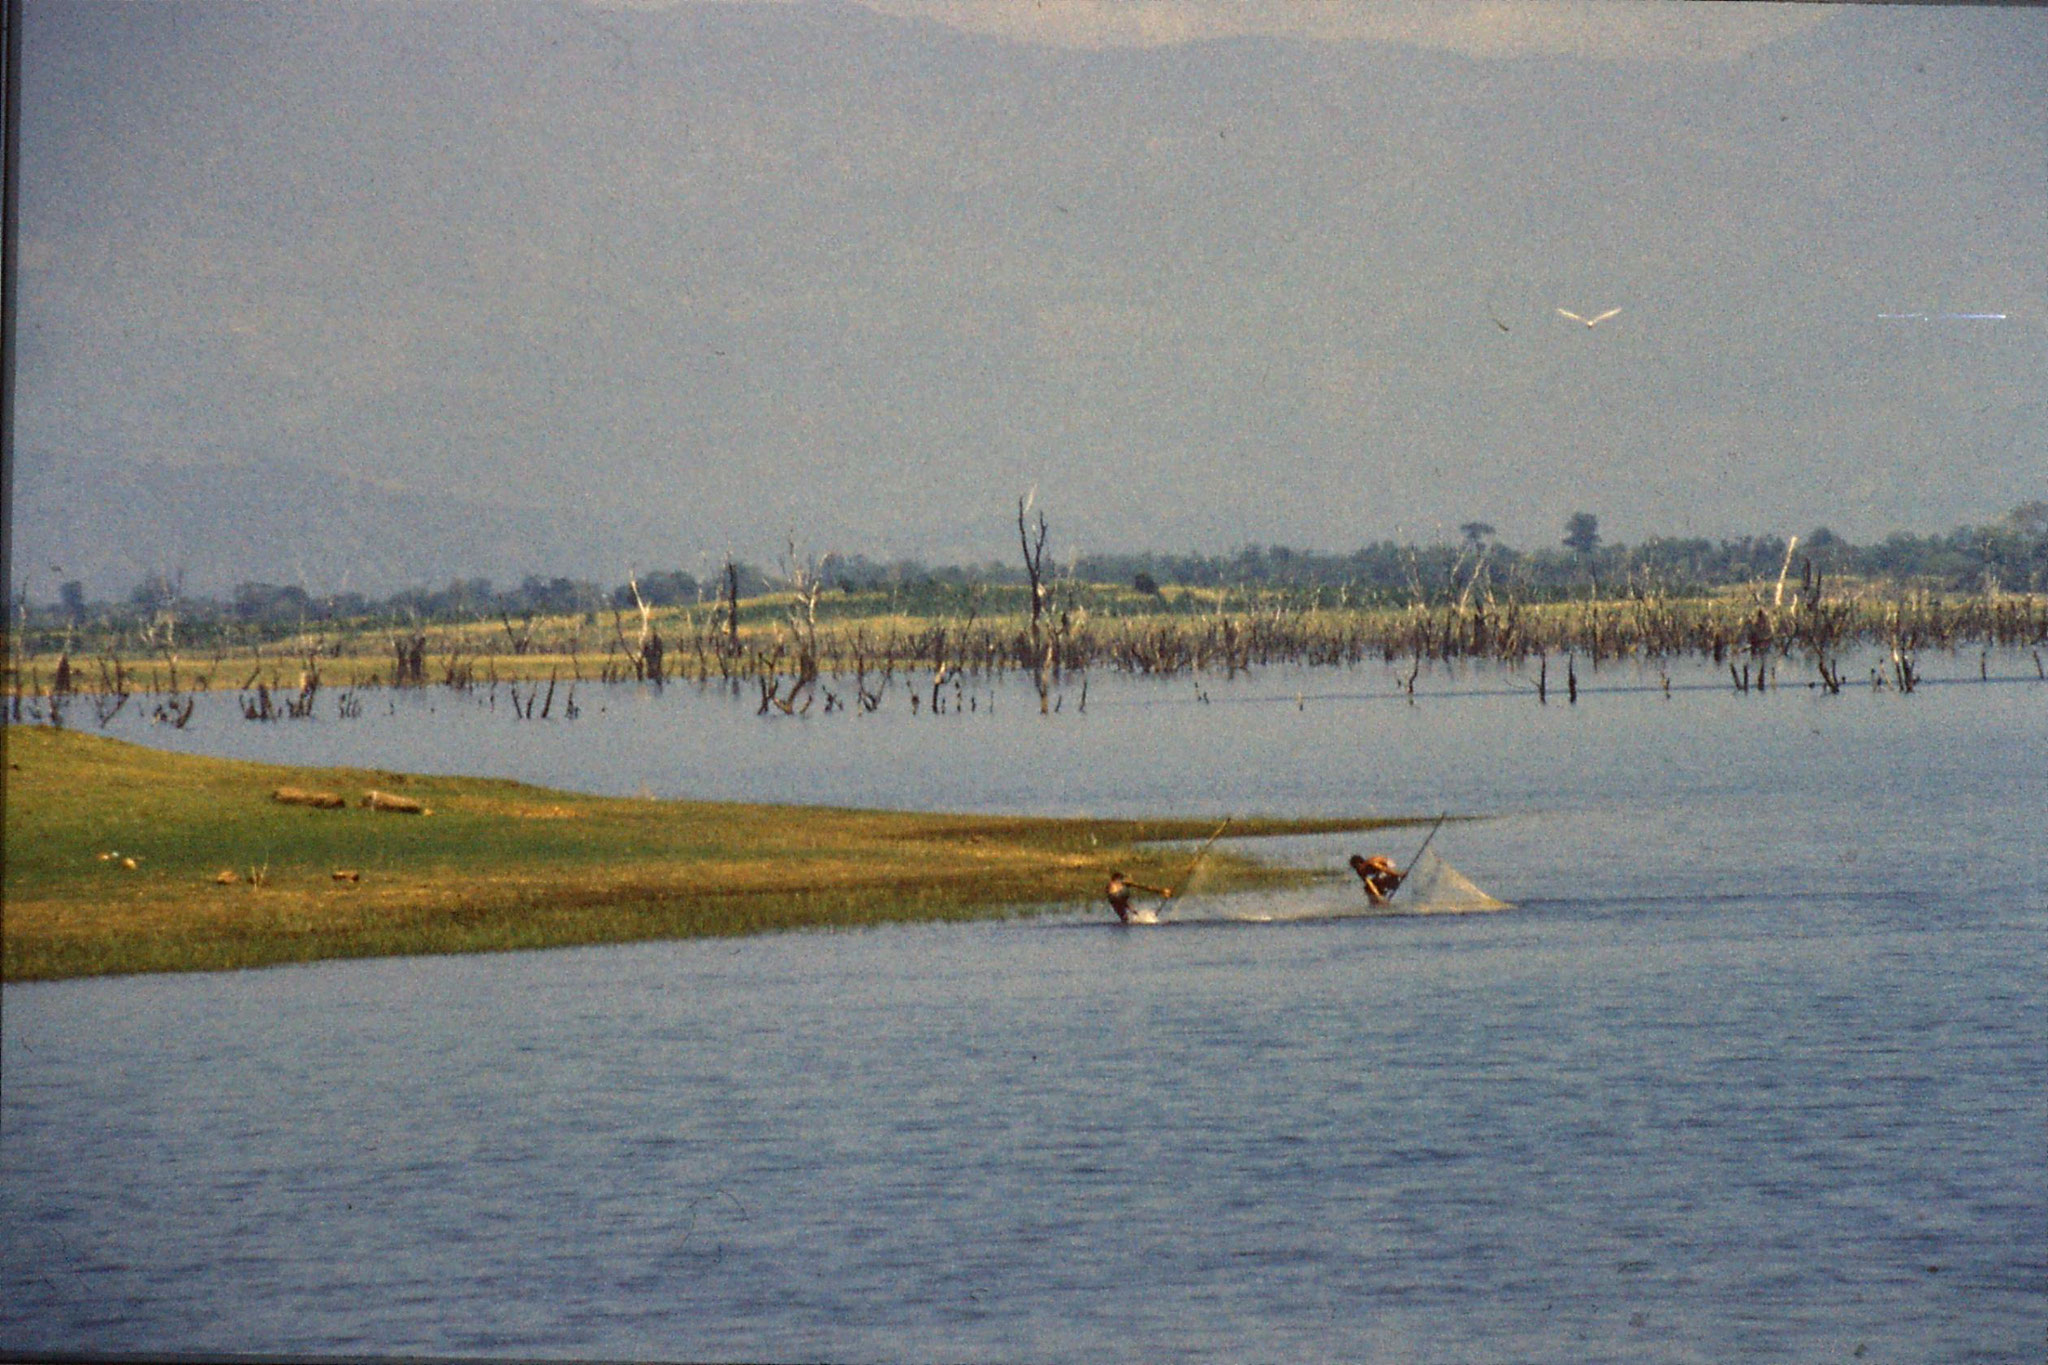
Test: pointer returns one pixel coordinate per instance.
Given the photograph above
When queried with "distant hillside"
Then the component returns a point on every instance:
(110, 522)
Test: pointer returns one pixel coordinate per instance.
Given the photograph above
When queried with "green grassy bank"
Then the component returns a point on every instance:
(121, 858)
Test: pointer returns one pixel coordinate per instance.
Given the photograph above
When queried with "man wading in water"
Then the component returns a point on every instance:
(1378, 874)
(1119, 893)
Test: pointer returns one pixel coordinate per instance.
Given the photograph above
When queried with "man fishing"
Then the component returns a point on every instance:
(1119, 893)
(1120, 886)
(1379, 875)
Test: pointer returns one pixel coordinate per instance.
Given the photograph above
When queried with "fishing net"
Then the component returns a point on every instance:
(1433, 886)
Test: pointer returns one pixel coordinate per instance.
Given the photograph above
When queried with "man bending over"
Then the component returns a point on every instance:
(1119, 893)
(1378, 874)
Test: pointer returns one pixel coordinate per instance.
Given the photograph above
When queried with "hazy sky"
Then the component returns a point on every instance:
(1204, 273)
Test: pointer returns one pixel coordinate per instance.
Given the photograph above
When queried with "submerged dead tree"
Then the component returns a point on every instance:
(732, 608)
(805, 581)
(409, 660)
(1039, 647)
(646, 653)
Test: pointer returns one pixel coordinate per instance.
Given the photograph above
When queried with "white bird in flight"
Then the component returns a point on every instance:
(1590, 322)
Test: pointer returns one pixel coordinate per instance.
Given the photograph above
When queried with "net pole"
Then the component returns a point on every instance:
(1418, 855)
(1204, 849)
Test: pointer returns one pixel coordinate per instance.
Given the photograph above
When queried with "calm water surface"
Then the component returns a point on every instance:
(1758, 1068)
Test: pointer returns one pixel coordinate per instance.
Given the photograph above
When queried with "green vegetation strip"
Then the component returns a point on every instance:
(121, 858)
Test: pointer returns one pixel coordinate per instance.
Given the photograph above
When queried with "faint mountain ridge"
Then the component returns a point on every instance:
(110, 522)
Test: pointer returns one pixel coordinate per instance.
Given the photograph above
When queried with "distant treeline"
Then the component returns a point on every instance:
(2009, 555)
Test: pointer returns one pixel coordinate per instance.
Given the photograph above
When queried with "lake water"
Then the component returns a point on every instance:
(1757, 1068)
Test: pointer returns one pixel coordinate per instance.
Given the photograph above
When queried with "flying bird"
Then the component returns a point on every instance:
(1590, 322)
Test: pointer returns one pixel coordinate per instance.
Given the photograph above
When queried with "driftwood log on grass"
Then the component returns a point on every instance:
(299, 796)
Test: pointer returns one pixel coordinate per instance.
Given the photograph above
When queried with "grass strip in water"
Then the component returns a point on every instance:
(122, 858)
